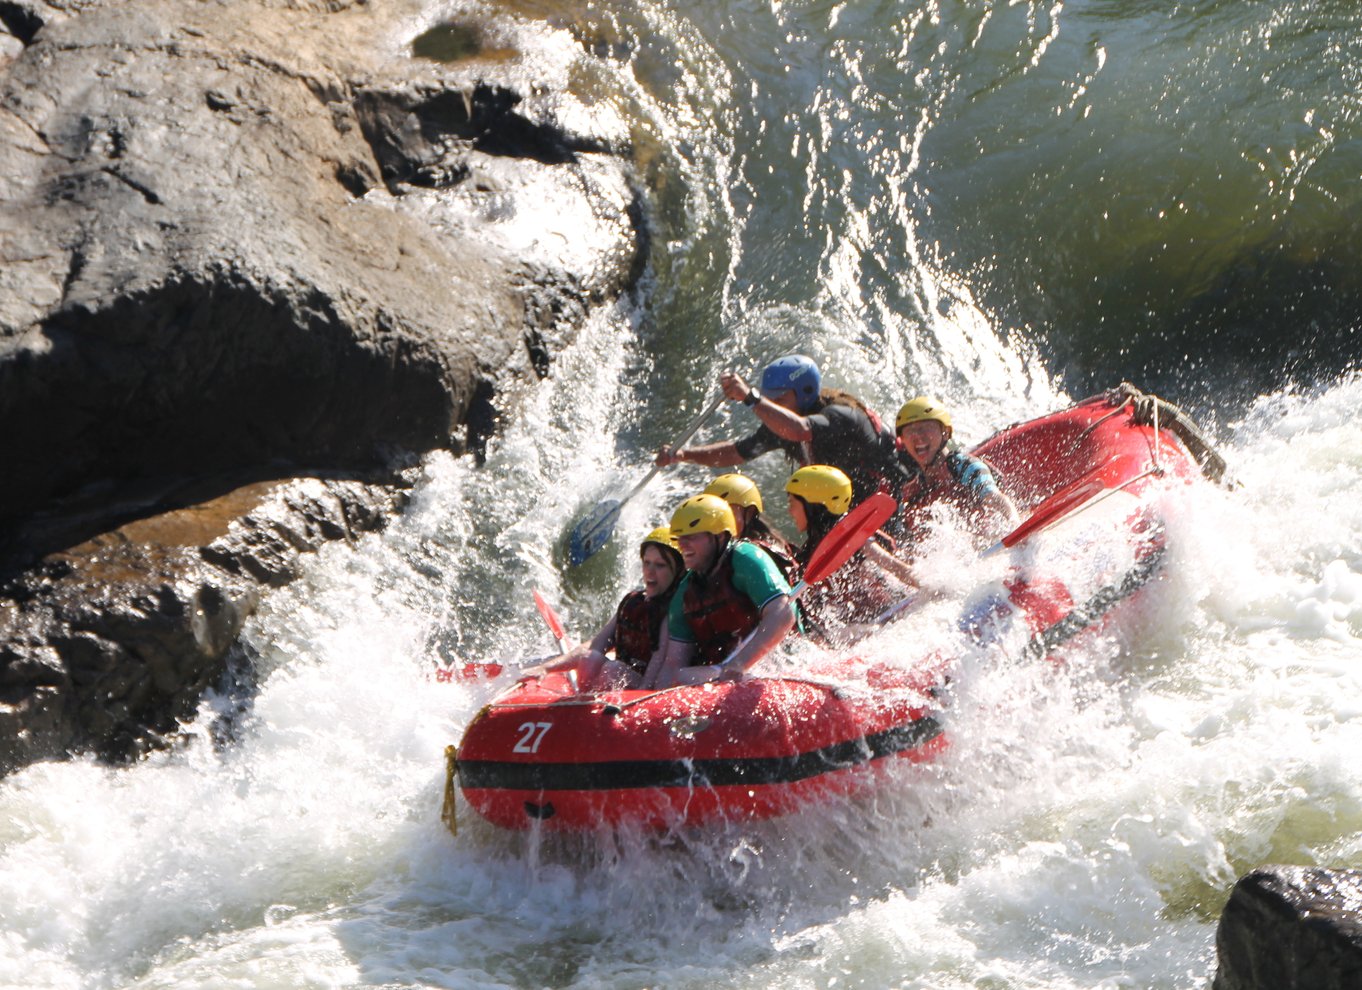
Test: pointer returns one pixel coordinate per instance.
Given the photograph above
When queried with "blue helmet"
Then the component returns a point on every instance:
(795, 371)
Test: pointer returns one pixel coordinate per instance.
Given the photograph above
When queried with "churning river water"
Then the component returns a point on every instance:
(1009, 205)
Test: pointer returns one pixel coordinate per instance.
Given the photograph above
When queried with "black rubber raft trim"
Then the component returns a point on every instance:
(626, 774)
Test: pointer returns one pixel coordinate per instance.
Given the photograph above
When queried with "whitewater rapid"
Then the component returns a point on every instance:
(824, 164)
(1082, 832)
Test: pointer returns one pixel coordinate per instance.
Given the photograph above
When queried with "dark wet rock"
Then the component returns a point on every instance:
(255, 238)
(232, 234)
(1291, 928)
(107, 644)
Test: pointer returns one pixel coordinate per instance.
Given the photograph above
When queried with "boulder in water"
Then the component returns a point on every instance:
(1291, 928)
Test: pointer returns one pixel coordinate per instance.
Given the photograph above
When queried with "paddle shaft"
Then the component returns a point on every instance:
(689, 432)
(591, 533)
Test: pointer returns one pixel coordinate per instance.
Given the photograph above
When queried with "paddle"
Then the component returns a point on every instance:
(555, 625)
(845, 538)
(551, 619)
(594, 531)
(1069, 501)
(1049, 511)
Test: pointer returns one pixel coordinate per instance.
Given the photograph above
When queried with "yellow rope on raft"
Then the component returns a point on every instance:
(447, 812)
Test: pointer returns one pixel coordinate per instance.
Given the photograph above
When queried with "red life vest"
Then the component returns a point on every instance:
(719, 614)
(638, 626)
(918, 497)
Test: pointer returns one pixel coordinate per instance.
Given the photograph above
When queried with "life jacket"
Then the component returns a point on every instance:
(856, 592)
(918, 497)
(638, 627)
(789, 568)
(885, 472)
(719, 614)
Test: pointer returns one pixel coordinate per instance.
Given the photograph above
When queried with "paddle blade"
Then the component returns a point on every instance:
(593, 532)
(848, 536)
(1111, 476)
(1051, 510)
(555, 624)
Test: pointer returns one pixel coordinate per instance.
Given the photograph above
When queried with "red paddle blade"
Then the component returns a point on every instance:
(1051, 510)
(550, 616)
(1115, 474)
(848, 536)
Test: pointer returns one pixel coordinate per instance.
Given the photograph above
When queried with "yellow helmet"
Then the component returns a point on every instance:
(921, 409)
(662, 536)
(703, 514)
(736, 489)
(822, 485)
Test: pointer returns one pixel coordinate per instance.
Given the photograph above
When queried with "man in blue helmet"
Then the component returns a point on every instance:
(811, 424)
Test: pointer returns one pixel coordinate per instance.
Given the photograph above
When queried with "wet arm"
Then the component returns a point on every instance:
(1001, 514)
(888, 563)
(723, 454)
(784, 423)
(657, 662)
(675, 656)
(777, 619)
(605, 639)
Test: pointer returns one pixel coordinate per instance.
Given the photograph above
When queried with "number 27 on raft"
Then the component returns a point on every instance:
(531, 736)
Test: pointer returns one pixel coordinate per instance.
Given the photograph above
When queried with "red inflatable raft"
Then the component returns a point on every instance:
(752, 749)
(540, 754)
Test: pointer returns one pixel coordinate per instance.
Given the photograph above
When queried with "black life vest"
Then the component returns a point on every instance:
(638, 627)
(875, 467)
(719, 614)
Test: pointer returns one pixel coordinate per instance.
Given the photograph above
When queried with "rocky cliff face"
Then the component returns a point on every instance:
(248, 239)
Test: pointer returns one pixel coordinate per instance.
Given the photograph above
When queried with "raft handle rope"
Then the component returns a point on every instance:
(1096, 423)
(447, 812)
(1162, 414)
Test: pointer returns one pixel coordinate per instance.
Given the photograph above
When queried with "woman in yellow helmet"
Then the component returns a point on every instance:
(744, 498)
(637, 629)
(819, 495)
(948, 474)
(733, 605)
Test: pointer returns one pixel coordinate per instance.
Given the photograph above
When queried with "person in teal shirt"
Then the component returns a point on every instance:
(732, 607)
